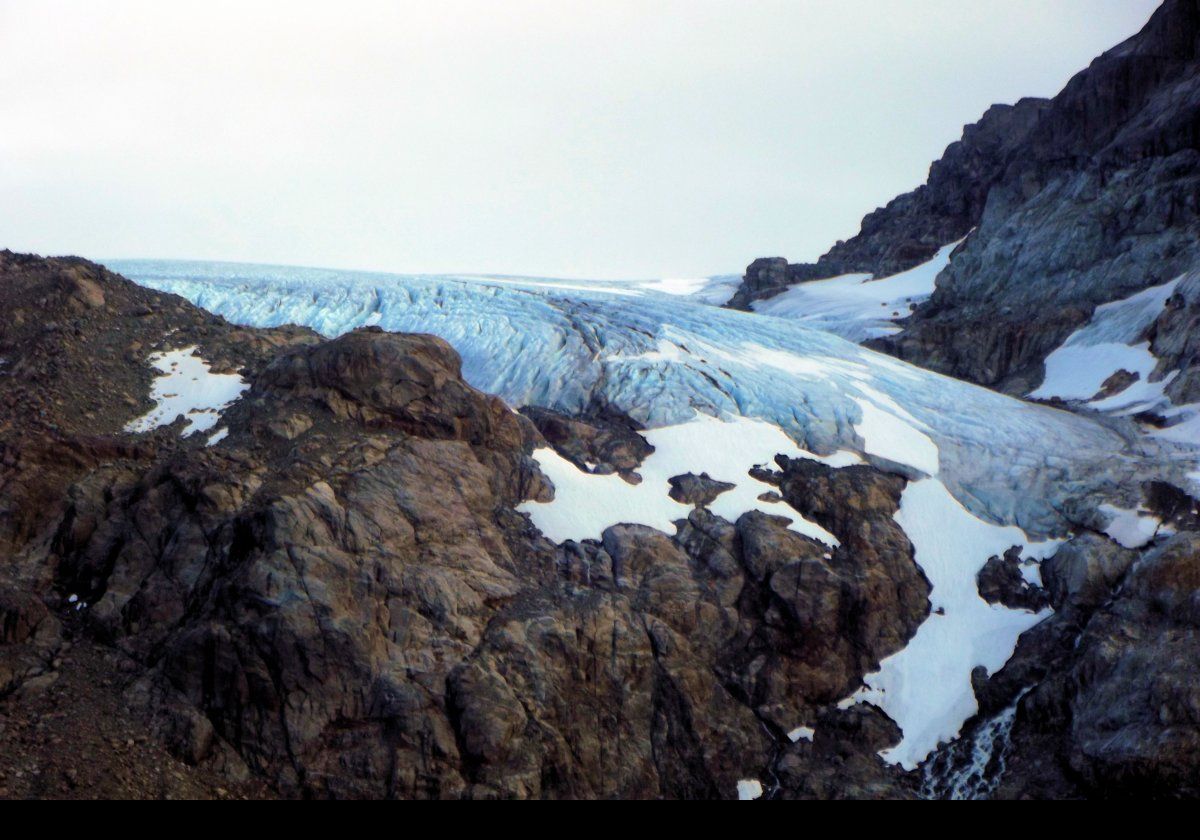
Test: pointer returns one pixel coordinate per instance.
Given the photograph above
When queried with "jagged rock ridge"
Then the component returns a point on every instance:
(1075, 201)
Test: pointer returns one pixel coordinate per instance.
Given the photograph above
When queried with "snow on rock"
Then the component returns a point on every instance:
(926, 687)
(1130, 527)
(749, 789)
(1110, 341)
(1077, 371)
(586, 504)
(187, 386)
(802, 733)
(720, 391)
(217, 436)
(856, 306)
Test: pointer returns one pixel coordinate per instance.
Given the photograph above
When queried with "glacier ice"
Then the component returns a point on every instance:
(662, 357)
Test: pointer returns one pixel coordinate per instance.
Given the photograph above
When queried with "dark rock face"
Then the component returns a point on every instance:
(876, 595)
(699, 490)
(358, 611)
(602, 441)
(1175, 340)
(1000, 582)
(1114, 711)
(1037, 267)
(1085, 571)
(1074, 202)
(912, 227)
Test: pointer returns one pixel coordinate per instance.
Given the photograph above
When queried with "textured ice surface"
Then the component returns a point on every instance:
(186, 386)
(662, 357)
(855, 306)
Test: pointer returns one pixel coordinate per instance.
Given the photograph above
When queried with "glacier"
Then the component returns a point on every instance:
(662, 357)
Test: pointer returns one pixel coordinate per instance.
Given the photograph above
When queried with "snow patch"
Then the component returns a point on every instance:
(889, 435)
(1130, 527)
(926, 687)
(187, 386)
(586, 504)
(856, 306)
(802, 733)
(1078, 371)
(1109, 342)
(749, 789)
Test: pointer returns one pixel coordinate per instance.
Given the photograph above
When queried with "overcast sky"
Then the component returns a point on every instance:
(587, 139)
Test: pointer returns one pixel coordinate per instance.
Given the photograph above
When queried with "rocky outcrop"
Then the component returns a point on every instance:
(339, 598)
(1000, 581)
(1113, 713)
(699, 490)
(601, 441)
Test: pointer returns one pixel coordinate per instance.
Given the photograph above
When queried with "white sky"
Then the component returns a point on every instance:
(594, 139)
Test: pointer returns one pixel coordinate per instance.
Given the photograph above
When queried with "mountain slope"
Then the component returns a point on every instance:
(1073, 202)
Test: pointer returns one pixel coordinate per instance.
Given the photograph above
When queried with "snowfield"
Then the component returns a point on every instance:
(720, 391)
(585, 504)
(856, 306)
(926, 687)
(1113, 340)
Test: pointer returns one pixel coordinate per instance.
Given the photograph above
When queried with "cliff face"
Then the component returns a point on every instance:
(1073, 202)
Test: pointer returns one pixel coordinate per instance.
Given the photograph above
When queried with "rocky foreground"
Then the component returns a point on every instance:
(335, 596)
